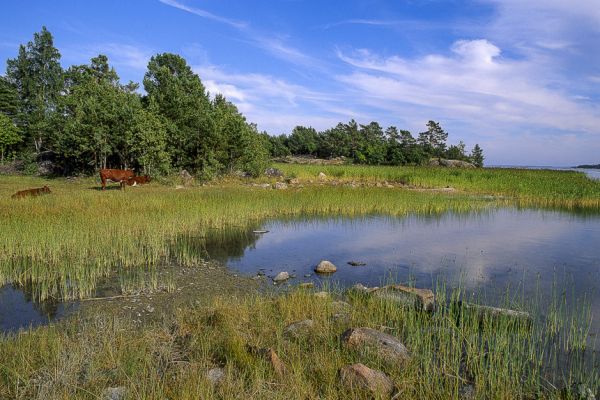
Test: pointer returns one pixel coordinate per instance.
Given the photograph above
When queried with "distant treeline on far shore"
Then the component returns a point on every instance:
(84, 118)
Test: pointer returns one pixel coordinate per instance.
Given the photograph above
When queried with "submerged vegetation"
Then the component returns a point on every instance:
(453, 353)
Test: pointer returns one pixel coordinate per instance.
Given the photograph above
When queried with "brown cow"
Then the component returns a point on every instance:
(138, 180)
(116, 175)
(31, 192)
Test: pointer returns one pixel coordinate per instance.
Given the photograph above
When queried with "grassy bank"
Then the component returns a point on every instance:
(528, 187)
(452, 352)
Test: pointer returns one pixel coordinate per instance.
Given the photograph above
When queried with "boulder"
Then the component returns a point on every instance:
(216, 375)
(359, 376)
(322, 176)
(282, 276)
(423, 299)
(299, 329)
(325, 267)
(357, 263)
(273, 172)
(386, 346)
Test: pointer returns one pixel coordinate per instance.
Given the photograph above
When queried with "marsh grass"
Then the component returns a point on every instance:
(452, 348)
(62, 244)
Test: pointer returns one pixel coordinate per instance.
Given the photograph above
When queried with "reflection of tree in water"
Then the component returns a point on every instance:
(48, 308)
(216, 244)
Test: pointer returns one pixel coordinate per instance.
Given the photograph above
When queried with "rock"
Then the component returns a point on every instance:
(186, 177)
(282, 276)
(325, 267)
(441, 162)
(424, 299)
(280, 185)
(114, 393)
(260, 231)
(466, 392)
(495, 311)
(275, 361)
(359, 287)
(216, 375)
(273, 172)
(298, 330)
(357, 263)
(322, 295)
(386, 346)
(359, 376)
(293, 181)
(341, 306)
(265, 186)
(322, 176)
(306, 285)
(307, 275)
(179, 187)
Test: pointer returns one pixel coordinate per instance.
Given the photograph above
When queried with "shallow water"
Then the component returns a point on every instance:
(18, 311)
(524, 252)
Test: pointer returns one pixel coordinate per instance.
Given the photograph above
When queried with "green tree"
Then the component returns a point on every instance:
(178, 94)
(9, 135)
(456, 152)
(303, 141)
(37, 76)
(9, 100)
(477, 156)
(433, 139)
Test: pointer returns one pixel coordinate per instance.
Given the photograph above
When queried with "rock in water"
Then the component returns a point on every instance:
(386, 346)
(325, 267)
(357, 263)
(282, 276)
(359, 376)
(299, 329)
(424, 299)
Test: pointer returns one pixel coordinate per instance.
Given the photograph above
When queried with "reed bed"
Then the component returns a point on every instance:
(453, 352)
(62, 244)
(527, 187)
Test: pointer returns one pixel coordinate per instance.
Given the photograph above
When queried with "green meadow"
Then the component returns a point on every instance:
(63, 245)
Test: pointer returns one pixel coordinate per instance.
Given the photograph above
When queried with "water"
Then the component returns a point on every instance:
(18, 311)
(592, 173)
(527, 251)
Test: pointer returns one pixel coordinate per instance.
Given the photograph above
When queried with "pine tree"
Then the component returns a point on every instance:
(477, 156)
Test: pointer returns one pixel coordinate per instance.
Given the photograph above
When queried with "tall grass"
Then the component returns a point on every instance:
(452, 349)
(62, 244)
(543, 188)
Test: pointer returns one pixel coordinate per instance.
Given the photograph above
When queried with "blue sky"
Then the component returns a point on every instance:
(521, 78)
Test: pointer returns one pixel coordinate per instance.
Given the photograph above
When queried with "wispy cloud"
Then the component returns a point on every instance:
(205, 14)
(126, 55)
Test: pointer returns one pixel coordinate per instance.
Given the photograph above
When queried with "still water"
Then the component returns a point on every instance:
(530, 252)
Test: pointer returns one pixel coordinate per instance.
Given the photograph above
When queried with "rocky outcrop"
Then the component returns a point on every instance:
(325, 267)
(386, 346)
(359, 376)
(441, 162)
(423, 299)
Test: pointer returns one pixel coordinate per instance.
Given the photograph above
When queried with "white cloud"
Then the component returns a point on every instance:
(204, 14)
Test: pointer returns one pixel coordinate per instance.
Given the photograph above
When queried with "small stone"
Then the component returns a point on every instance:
(299, 329)
(322, 176)
(306, 285)
(321, 295)
(359, 287)
(293, 181)
(325, 267)
(282, 276)
(307, 275)
(114, 393)
(216, 375)
(280, 185)
(386, 346)
(359, 376)
(357, 263)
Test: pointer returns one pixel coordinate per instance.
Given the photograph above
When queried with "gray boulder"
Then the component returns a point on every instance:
(359, 376)
(299, 329)
(386, 346)
(282, 276)
(325, 267)
(423, 299)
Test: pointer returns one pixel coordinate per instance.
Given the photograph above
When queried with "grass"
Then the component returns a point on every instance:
(527, 187)
(64, 243)
(500, 358)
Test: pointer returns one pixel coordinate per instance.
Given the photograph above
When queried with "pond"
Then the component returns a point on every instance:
(530, 254)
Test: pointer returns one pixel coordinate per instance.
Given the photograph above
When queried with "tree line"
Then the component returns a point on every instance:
(84, 118)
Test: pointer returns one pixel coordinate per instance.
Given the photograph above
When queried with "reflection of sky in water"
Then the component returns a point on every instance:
(492, 250)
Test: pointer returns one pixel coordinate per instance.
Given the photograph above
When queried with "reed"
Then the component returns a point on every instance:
(452, 350)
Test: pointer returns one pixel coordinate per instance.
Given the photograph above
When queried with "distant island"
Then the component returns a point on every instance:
(589, 166)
